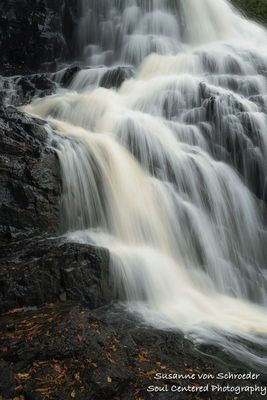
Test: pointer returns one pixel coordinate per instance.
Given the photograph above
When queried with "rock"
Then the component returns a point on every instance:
(38, 271)
(256, 9)
(20, 90)
(47, 37)
(112, 77)
(115, 77)
(39, 85)
(67, 351)
(65, 76)
(7, 380)
(234, 137)
(30, 182)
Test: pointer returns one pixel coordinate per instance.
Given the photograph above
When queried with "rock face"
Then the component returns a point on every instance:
(38, 271)
(30, 178)
(48, 29)
(19, 90)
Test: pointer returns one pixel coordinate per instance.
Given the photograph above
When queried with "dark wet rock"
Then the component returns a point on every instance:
(7, 380)
(47, 35)
(30, 183)
(65, 76)
(39, 85)
(20, 90)
(256, 9)
(205, 91)
(38, 271)
(67, 351)
(115, 77)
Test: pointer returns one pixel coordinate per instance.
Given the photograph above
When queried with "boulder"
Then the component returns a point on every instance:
(65, 76)
(44, 270)
(114, 77)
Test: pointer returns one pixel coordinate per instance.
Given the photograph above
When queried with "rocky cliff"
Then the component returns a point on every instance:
(36, 34)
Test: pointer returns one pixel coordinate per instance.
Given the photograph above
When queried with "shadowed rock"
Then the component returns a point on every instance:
(20, 90)
(66, 75)
(36, 34)
(115, 77)
(30, 178)
(38, 271)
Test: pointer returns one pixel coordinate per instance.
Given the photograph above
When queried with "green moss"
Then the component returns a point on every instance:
(256, 9)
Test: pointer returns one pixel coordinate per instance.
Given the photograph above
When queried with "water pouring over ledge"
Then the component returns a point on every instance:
(169, 171)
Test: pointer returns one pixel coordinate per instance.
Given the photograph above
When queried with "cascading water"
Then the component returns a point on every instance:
(169, 171)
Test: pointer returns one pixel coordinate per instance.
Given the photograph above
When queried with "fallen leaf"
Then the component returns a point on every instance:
(77, 376)
(23, 376)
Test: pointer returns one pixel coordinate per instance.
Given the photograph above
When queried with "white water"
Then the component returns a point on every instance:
(168, 172)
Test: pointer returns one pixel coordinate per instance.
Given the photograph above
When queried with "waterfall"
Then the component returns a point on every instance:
(168, 171)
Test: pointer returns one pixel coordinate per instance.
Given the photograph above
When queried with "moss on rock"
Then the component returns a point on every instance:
(256, 9)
